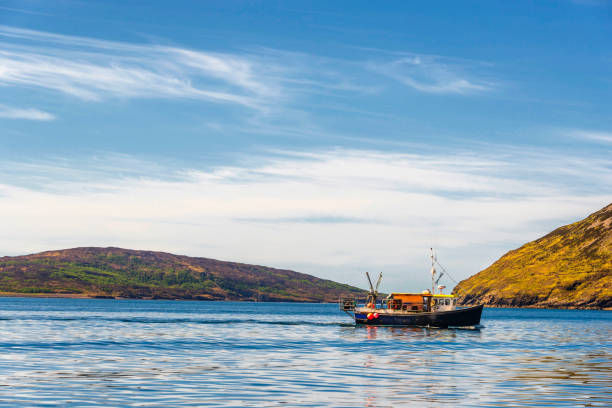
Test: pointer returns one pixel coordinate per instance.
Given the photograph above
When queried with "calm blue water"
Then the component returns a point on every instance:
(74, 352)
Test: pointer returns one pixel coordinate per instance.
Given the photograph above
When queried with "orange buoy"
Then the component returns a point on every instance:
(370, 316)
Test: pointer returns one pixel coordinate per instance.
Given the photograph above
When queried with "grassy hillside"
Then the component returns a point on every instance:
(570, 267)
(128, 273)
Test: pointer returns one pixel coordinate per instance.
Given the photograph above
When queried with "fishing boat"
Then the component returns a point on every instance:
(429, 308)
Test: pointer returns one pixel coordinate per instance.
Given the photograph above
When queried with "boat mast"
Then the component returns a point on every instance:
(433, 272)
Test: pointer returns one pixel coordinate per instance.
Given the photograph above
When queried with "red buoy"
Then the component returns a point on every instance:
(376, 315)
(370, 316)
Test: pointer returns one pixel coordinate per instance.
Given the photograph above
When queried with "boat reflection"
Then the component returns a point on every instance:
(384, 332)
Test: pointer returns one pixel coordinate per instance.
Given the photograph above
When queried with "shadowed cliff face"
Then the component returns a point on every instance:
(128, 273)
(570, 267)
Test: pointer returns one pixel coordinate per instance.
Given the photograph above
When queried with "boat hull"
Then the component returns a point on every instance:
(458, 318)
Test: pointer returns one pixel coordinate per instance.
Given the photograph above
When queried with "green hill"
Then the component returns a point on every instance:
(116, 272)
(570, 267)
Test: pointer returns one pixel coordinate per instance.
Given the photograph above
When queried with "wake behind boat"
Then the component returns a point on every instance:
(427, 308)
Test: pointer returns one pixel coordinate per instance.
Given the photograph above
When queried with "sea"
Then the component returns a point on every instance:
(152, 353)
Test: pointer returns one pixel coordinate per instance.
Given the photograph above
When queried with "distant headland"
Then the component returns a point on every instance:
(571, 267)
(94, 272)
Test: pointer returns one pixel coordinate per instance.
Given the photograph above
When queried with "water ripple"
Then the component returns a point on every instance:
(111, 353)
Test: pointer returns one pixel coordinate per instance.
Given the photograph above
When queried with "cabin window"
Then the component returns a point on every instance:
(415, 307)
(447, 302)
(454, 302)
(425, 303)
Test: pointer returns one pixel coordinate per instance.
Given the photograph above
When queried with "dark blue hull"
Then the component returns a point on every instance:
(460, 317)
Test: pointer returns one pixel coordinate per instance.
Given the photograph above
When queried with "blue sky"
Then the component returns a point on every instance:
(325, 137)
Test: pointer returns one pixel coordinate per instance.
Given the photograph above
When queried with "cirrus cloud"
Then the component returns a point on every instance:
(93, 70)
(431, 74)
(8, 112)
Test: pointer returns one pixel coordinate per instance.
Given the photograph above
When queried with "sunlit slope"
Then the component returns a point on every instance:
(129, 273)
(570, 267)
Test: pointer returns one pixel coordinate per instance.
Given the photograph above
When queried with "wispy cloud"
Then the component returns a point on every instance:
(431, 74)
(325, 212)
(592, 135)
(591, 2)
(313, 219)
(93, 69)
(8, 112)
(261, 78)
(24, 11)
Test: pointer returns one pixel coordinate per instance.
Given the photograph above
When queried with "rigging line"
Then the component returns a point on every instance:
(448, 274)
(445, 271)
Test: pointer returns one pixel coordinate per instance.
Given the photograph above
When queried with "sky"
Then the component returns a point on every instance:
(331, 138)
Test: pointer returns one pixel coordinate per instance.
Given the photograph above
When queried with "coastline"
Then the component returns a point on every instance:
(550, 307)
(102, 296)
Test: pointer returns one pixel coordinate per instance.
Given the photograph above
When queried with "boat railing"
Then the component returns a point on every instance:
(350, 303)
(347, 304)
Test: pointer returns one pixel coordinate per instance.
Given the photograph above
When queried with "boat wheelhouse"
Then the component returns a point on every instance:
(419, 302)
(427, 308)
